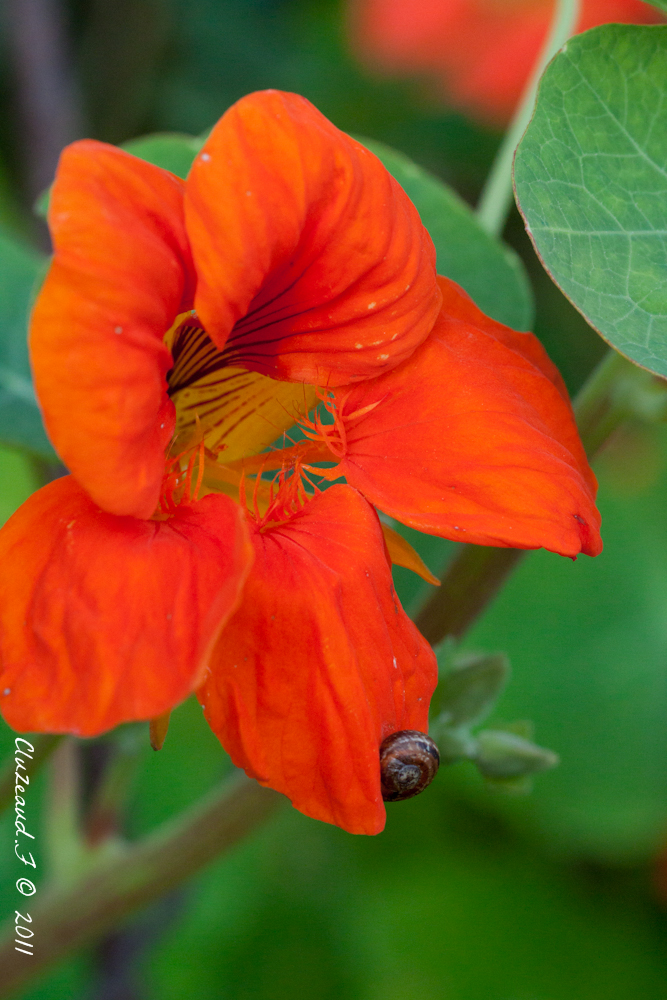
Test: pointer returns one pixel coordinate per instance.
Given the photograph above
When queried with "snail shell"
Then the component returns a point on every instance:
(409, 761)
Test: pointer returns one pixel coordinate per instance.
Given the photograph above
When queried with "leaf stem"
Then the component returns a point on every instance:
(496, 198)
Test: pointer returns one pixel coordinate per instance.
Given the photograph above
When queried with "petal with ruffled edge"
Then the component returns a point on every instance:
(120, 276)
(107, 619)
(320, 663)
(473, 438)
(313, 264)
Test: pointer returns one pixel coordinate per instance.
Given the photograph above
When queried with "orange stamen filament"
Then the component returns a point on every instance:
(177, 483)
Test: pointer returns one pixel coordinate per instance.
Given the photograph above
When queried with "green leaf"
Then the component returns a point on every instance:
(173, 151)
(490, 272)
(591, 183)
(660, 4)
(21, 270)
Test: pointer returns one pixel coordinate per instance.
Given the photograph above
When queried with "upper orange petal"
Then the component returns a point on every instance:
(121, 274)
(107, 619)
(320, 663)
(313, 265)
(473, 438)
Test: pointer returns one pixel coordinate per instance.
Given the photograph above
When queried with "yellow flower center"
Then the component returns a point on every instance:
(236, 413)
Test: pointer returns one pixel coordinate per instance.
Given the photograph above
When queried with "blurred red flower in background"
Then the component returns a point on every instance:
(480, 52)
(182, 328)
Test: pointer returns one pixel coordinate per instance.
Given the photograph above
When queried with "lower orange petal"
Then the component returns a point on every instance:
(473, 439)
(107, 619)
(320, 663)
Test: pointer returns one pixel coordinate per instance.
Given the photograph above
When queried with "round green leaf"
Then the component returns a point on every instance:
(591, 183)
(489, 271)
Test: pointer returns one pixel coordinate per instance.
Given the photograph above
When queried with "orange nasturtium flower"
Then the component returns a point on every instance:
(480, 52)
(182, 328)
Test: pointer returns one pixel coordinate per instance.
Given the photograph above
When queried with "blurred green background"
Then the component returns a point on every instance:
(468, 895)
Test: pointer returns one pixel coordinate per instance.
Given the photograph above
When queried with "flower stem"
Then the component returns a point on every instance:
(470, 582)
(62, 814)
(71, 914)
(496, 198)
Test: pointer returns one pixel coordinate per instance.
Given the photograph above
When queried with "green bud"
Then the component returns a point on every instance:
(503, 755)
(453, 744)
(468, 691)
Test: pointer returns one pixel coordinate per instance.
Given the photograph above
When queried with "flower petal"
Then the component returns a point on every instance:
(320, 663)
(107, 619)
(120, 276)
(473, 439)
(313, 264)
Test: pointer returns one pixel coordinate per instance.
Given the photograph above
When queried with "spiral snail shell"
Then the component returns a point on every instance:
(409, 761)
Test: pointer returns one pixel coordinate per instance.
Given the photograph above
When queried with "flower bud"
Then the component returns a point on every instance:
(502, 755)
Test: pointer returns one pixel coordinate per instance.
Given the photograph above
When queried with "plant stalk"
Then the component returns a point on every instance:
(496, 198)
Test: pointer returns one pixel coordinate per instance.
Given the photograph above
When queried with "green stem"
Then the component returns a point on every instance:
(496, 198)
(69, 915)
(44, 747)
(601, 404)
(471, 581)
(103, 817)
(64, 846)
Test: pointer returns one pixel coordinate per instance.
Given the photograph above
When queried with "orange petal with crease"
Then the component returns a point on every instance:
(108, 619)
(320, 663)
(313, 263)
(473, 439)
(120, 275)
